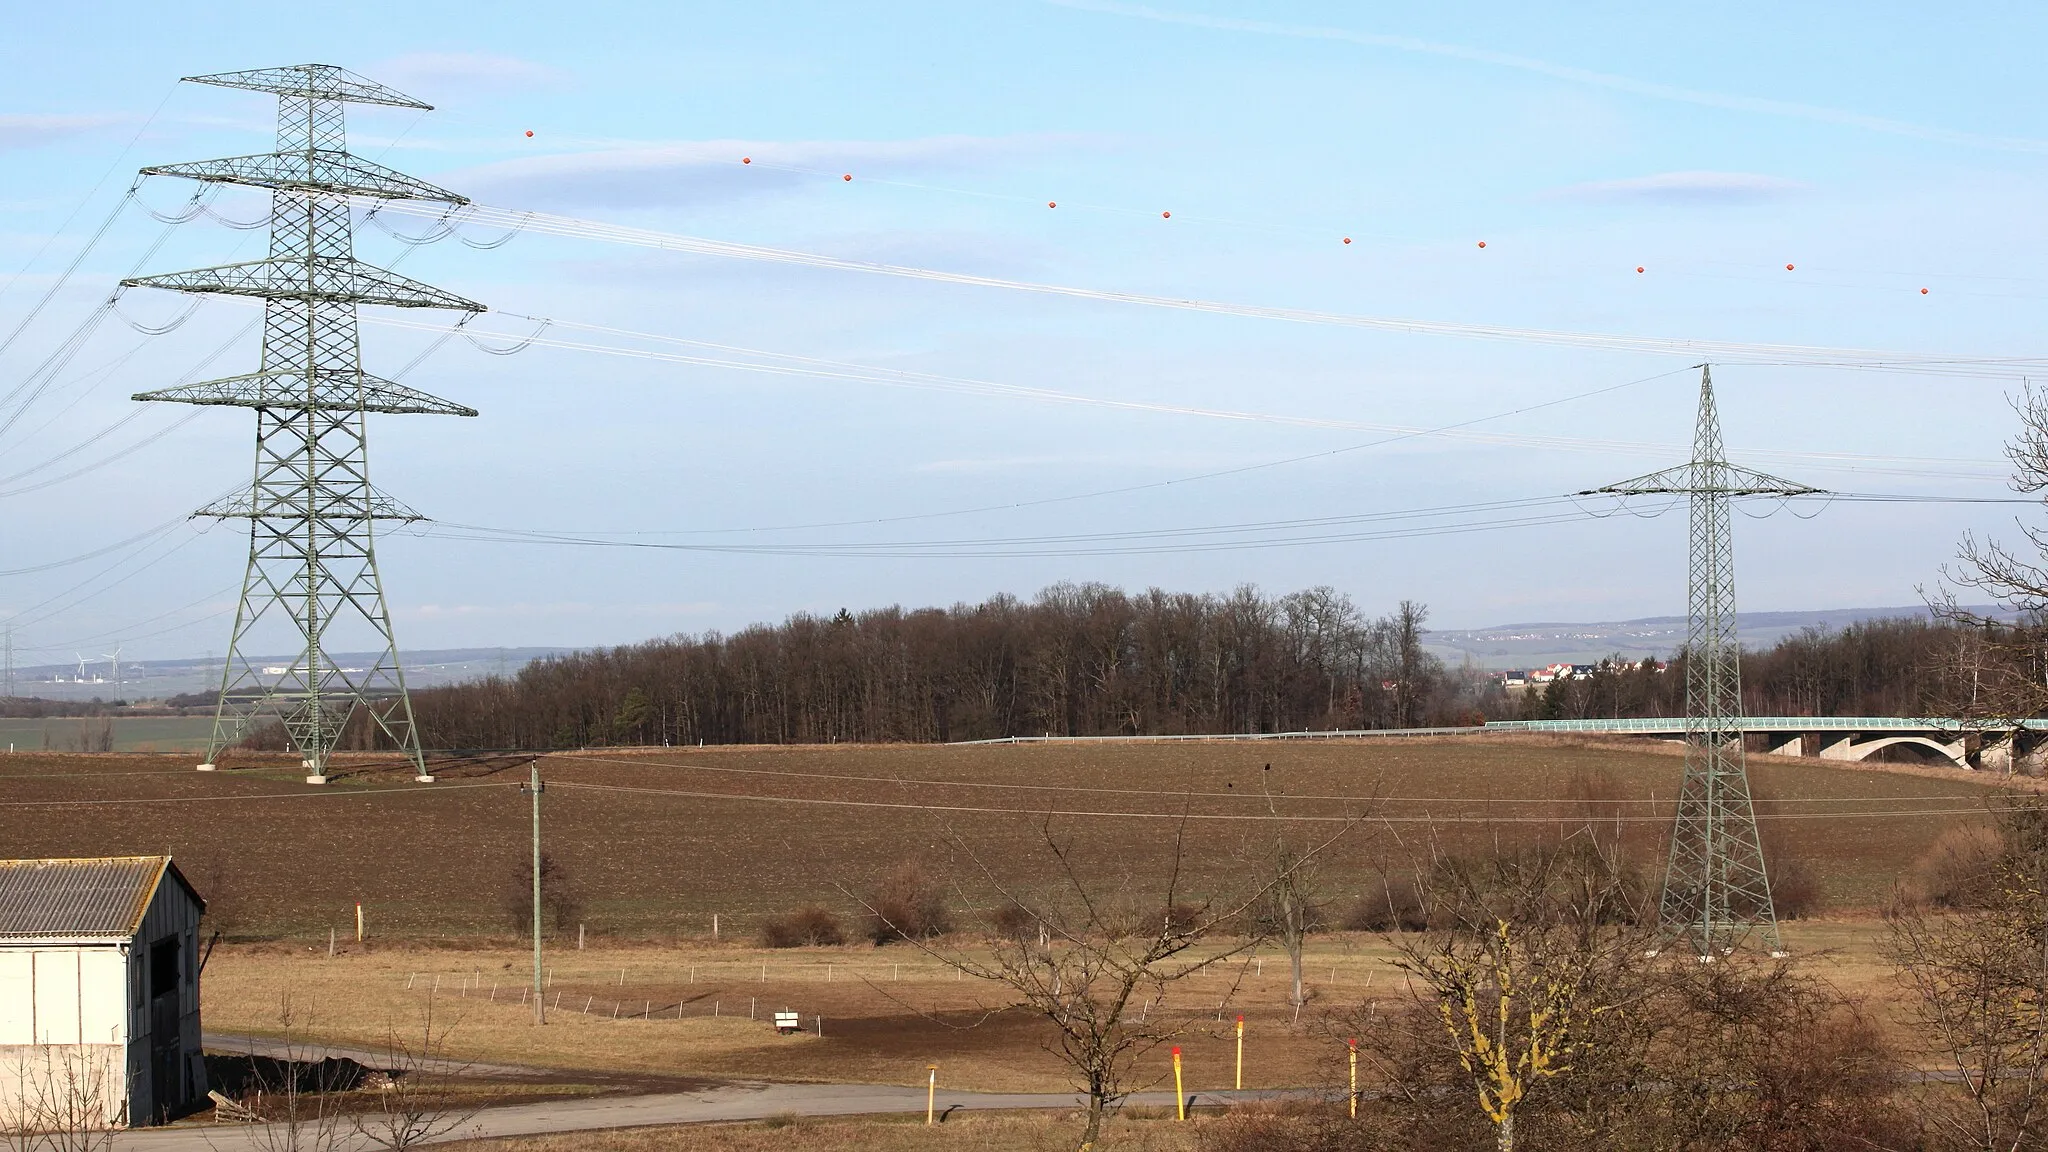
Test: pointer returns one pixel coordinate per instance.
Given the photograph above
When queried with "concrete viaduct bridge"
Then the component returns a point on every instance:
(1996, 747)
(1971, 744)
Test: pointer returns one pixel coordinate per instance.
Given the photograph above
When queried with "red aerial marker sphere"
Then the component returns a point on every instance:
(848, 176)
(1052, 204)
(529, 132)
(746, 159)
(1482, 243)
(1166, 215)
(1639, 267)
(1788, 267)
(1923, 291)
(1347, 239)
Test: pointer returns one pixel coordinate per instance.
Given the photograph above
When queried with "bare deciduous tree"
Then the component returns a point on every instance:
(1531, 953)
(1102, 961)
(65, 1098)
(412, 1107)
(1979, 981)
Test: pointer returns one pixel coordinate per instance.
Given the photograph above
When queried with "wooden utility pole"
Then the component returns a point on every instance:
(534, 788)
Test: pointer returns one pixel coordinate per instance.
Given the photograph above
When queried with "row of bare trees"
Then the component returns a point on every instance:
(1088, 660)
(1077, 659)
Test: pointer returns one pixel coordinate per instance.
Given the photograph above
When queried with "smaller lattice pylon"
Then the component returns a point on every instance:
(1717, 890)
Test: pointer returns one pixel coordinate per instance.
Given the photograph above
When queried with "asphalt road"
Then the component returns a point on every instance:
(725, 1102)
(708, 1104)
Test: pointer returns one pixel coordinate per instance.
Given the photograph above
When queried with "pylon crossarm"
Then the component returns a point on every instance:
(1684, 480)
(327, 390)
(312, 82)
(247, 505)
(320, 170)
(327, 280)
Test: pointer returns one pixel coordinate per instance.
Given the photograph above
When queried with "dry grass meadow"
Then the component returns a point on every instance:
(988, 1132)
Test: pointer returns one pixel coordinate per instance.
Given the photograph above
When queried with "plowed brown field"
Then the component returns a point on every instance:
(657, 841)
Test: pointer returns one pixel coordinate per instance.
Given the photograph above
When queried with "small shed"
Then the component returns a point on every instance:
(99, 993)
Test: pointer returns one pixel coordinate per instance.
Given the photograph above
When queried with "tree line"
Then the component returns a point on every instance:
(1093, 660)
(1900, 666)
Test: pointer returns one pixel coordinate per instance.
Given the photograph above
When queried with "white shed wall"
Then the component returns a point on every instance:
(64, 995)
(64, 1035)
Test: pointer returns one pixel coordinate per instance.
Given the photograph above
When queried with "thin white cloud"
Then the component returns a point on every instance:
(432, 72)
(1685, 188)
(693, 173)
(1608, 80)
(23, 130)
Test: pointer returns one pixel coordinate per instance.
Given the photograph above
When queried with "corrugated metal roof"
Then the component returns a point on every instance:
(99, 897)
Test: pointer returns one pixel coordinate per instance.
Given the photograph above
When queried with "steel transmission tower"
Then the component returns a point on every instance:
(1716, 888)
(312, 576)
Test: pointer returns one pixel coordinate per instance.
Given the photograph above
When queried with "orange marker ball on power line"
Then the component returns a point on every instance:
(1166, 215)
(848, 176)
(1788, 267)
(1052, 204)
(1923, 291)
(1639, 267)
(1347, 239)
(1482, 243)
(529, 133)
(746, 159)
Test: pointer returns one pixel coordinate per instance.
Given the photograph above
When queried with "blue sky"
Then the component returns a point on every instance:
(1879, 149)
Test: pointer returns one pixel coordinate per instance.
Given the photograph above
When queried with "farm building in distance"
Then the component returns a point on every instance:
(99, 993)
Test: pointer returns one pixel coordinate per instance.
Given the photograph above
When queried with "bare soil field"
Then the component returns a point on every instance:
(654, 843)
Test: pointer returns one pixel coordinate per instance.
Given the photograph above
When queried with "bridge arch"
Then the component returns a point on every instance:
(1954, 753)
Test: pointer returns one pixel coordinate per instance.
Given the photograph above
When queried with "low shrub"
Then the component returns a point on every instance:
(1389, 904)
(806, 927)
(908, 905)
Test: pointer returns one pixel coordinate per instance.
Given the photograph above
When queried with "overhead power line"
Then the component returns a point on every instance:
(1717, 350)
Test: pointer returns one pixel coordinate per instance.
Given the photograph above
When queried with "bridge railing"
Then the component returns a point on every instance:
(1642, 725)
(1676, 724)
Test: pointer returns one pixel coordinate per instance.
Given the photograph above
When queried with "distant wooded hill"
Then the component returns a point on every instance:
(1096, 660)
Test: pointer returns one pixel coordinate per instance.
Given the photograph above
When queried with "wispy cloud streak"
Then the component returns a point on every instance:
(1586, 76)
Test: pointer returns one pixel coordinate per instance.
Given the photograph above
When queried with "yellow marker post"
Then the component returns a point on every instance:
(1240, 1051)
(931, 1093)
(1354, 1078)
(1180, 1099)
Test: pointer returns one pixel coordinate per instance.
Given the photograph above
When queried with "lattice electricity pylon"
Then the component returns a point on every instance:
(311, 509)
(1717, 890)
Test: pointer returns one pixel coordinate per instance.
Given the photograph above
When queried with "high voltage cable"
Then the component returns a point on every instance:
(1142, 542)
(98, 552)
(91, 192)
(814, 367)
(38, 381)
(1717, 350)
(64, 277)
(969, 550)
(152, 438)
